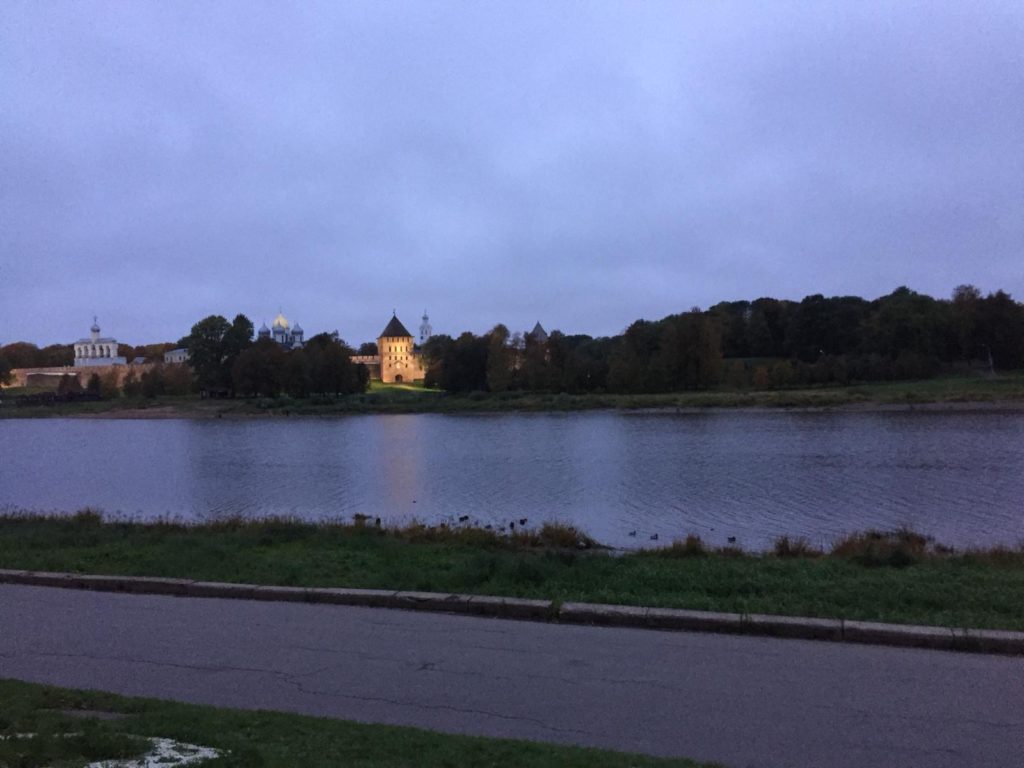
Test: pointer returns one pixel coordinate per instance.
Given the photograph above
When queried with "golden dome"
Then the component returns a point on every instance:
(281, 321)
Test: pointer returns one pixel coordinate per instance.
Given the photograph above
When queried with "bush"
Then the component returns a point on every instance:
(559, 535)
(797, 547)
(897, 549)
(691, 546)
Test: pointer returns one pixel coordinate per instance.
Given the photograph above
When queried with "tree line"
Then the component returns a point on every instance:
(225, 361)
(764, 343)
(761, 344)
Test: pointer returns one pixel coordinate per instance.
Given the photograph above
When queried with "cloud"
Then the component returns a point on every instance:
(583, 166)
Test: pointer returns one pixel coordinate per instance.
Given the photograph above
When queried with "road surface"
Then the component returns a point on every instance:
(741, 701)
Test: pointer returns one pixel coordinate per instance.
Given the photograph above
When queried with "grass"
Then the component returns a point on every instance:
(413, 398)
(897, 577)
(256, 739)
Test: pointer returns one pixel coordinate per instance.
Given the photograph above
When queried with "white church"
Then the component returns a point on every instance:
(97, 350)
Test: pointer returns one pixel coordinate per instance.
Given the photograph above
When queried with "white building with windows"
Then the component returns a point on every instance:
(176, 356)
(97, 350)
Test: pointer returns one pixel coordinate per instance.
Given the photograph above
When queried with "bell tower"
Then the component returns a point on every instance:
(425, 330)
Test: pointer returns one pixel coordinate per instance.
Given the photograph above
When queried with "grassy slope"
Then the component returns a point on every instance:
(414, 399)
(257, 739)
(965, 590)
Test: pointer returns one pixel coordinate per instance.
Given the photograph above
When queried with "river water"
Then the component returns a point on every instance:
(958, 476)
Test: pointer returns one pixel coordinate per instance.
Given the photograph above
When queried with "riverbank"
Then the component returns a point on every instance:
(898, 578)
(1003, 392)
(103, 726)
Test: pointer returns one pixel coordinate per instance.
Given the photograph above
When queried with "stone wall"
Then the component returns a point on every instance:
(40, 377)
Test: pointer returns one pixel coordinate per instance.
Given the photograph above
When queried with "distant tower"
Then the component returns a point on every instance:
(539, 334)
(399, 361)
(425, 330)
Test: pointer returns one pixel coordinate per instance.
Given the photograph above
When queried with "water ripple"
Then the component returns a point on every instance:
(753, 476)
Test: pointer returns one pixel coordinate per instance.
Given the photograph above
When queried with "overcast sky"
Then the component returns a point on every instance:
(581, 164)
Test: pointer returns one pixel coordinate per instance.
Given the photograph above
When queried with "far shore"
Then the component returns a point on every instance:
(946, 394)
(158, 412)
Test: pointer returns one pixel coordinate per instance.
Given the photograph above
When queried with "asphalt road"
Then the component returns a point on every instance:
(741, 701)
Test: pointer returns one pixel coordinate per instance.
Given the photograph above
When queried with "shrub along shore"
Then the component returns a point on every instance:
(900, 576)
(1006, 391)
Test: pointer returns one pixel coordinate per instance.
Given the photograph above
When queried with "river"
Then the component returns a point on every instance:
(623, 478)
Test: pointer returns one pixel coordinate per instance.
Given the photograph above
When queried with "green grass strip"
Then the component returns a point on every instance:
(874, 579)
(255, 739)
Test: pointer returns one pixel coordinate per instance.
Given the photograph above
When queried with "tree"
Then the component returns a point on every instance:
(368, 348)
(205, 346)
(260, 369)
(177, 380)
(68, 385)
(766, 327)
(131, 386)
(464, 368)
(152, 353)
(966, 310)
(94, 385)
(586, 367)
(433, 354)
(732, 318)
(297, 379)
(109, 386)
(237, 339)
(558, 354)
(152, 383)
(5, 370)
(329, 367)
(22, 354)
(1000, 330)
(819, 326)
(736, 375)
(689, 355)
(214, 345)
(535, 363)
(499, 359)
(910, 322)
(56, 355)
(630, 362)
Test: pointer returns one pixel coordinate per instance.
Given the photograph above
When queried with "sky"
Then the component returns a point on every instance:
(578, 164)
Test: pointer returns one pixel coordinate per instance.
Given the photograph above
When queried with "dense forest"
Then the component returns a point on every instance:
(761, 344)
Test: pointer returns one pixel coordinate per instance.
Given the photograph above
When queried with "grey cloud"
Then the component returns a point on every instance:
(580, 165)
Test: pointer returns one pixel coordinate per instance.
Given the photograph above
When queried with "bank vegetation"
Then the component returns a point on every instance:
(899, 576)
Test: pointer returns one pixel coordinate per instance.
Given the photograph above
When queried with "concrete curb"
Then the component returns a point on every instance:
(836, 630)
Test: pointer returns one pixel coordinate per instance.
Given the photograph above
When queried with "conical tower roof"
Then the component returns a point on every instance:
(394, 329)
